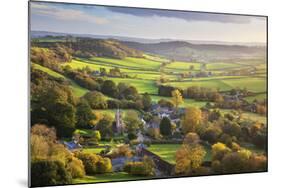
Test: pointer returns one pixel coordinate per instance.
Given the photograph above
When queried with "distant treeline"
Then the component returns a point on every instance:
(232, 99)
(88, 47)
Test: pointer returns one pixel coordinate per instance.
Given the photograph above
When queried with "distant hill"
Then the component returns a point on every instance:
(181, 50)
(87, 47)
(36, 34)
(119, 47)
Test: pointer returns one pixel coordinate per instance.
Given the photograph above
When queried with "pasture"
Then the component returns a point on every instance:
(212, 83)
(254, 84)
(168, 151)
(143, 86)
(108, 177)
(259, 97)
(130, 62)
(179, 66)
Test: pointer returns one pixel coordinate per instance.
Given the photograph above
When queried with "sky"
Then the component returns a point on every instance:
(146, 23)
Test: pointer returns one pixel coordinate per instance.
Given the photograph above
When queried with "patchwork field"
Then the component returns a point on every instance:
(253, 84)
(179, 66)
(100, 101)
(130, 62)
(213, 83)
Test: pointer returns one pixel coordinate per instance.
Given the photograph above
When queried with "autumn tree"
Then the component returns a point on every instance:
(105, 126)
(109, 88)
(188, 158)
(191, 139)
(177, 98)
(219, 150)
(54, 105)
(191, 119)
(96, 100)
(84, 114)
(236, 162)
(132, 122)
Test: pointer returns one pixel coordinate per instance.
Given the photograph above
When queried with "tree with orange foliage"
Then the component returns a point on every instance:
(191, 119)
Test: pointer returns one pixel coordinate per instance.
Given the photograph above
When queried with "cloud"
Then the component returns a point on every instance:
(65, 14)
(184, 15)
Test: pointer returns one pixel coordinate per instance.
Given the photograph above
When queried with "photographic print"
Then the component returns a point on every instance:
(124, 93)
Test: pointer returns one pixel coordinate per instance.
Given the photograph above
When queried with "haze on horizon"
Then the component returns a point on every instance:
(146, 23)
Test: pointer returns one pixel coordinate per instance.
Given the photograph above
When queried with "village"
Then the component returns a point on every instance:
(163, 168)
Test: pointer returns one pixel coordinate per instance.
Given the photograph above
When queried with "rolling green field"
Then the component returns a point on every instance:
(224, 84)
(155, 58)
(179, 66)
(165, 151)
(145, 71)
(47, 70)
(109, 177)
(251, 83)
(168, 151)
(222, 65)
(143, 86)
(258, 97)
(130, 62)
(142, 73)
(213, 83)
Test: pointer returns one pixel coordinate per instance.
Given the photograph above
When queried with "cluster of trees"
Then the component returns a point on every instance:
(104, 48)
(203, 94)
(87, 47)
(124, 95)
(53, 164)
(51, 57)
(123, 150)
(228, 101)
(194, 92)
(133, 124)
(259, 107)
(114, 72)
(52, 103)
(82, 78)
(213, 126)
(142, 168)
(236, 159)
(94, 164)
(225, 159)
(190, 155)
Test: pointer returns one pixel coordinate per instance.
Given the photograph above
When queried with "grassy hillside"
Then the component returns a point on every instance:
(77, 90)
(143, 86)
(253, 84)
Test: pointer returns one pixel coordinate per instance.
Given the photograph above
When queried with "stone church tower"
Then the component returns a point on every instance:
(119, 122)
